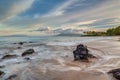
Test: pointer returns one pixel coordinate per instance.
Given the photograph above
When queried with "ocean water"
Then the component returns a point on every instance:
(47, 39)
(51, 48)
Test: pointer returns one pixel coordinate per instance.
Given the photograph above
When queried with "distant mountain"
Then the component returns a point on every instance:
(18, 35)
(69, 34)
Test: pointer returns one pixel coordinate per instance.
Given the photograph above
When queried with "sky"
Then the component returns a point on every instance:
(50, 17)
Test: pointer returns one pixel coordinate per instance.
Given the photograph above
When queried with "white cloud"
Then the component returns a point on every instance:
(14, 7)
(44, 29)
(68, 31)
(58, 18)
(60, 9)
(75, 25)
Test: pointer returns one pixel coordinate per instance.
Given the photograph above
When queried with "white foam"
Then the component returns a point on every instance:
(74, 42)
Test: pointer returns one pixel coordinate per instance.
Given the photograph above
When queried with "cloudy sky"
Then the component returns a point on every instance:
(43, 17)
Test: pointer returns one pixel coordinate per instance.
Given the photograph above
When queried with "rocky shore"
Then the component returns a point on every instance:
(36, 61)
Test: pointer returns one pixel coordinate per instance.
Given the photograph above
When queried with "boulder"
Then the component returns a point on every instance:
(82, 53)
(115, 73)
(9, 56)
(1, 73)
(28, 52)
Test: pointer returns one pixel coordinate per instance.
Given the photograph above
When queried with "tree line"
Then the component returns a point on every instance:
(108, 32)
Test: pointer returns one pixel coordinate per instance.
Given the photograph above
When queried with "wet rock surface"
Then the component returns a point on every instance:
(21, 43)
(11, 77)
(9, 56)
(28, 52)
(1, 73)
(27, 58)
(115, 73)
(2, 66)
(82, 53)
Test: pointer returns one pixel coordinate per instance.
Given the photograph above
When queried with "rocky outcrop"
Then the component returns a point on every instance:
(115, 73)
(9, 56)
(82, 53)
(28, 52)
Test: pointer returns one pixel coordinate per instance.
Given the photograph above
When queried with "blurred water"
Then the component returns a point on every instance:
(46, 39)
(55, 48)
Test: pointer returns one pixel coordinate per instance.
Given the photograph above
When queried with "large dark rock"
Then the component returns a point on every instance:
(9, 56)
(1, 73)
(115, 73)
(28, 52)
(82, 53)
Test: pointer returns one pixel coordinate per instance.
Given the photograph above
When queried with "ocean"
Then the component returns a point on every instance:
(46, 39)
(53, 53)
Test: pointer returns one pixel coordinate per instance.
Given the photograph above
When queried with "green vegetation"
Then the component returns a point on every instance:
(94, 33)
(113, 31)
(109, 32)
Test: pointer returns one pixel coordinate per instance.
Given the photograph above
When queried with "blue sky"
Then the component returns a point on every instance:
(43, 17)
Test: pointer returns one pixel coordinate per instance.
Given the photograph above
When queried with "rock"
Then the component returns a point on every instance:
(27, 58)
(28, 52)
(11, 77)
(2, 73)
(14, 43)
(2, 66)
(21, 43)
(19, 47)
(115, 73)
(31, 42)
(82, 53)
(91, 56)
(9, 56)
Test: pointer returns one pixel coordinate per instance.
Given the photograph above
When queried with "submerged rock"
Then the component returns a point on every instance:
(31, 42)
(21, 43)
(115, 73)
(11, 77)
(9, 56)
(19, 47)
(27, 58)
(2, 66)
(28, 52)
(1, 73)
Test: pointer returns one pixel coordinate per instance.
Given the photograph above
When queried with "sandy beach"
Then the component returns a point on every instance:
(57, 62)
